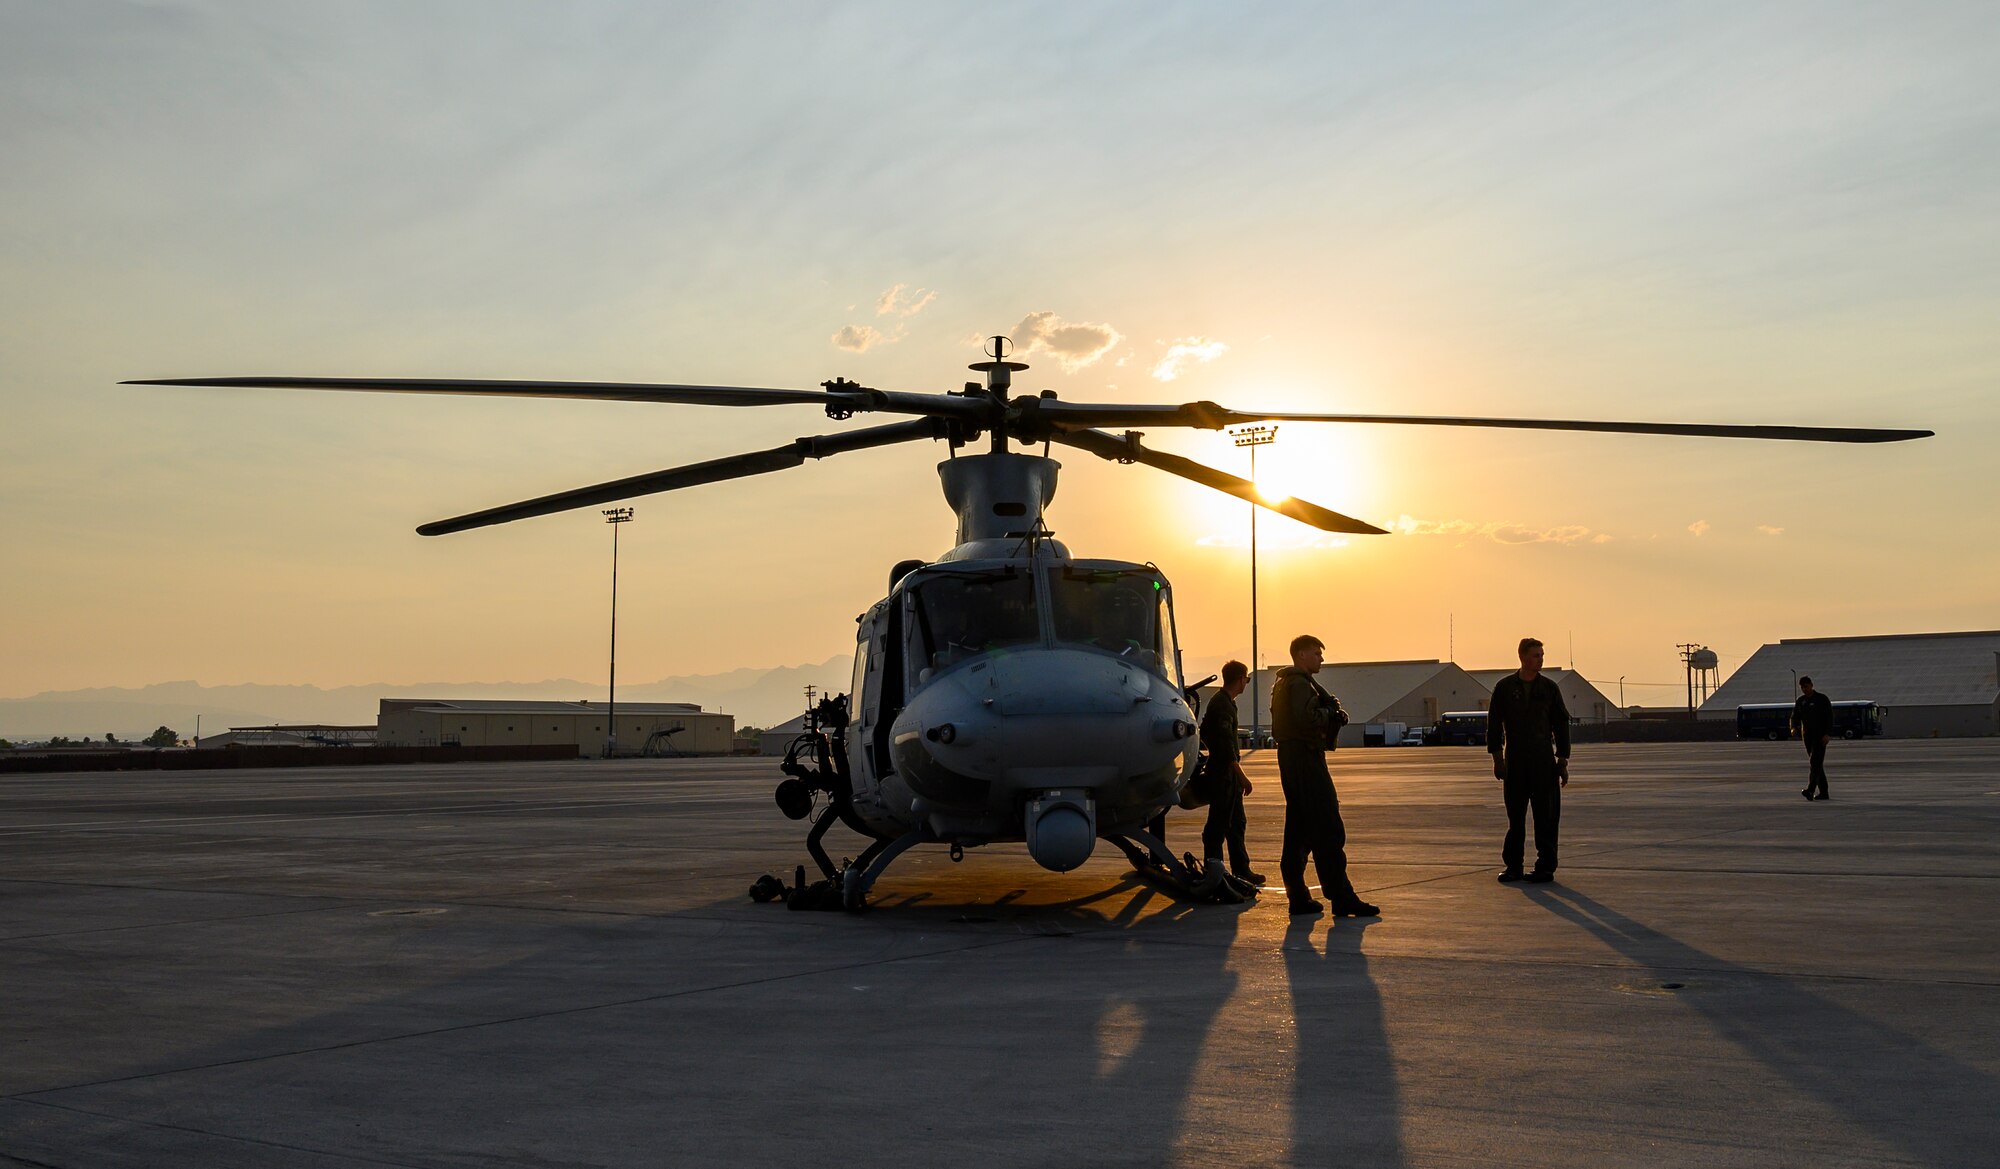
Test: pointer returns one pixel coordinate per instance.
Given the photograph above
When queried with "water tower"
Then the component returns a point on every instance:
(1704, 669)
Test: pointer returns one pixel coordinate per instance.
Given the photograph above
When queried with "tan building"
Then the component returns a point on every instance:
(776, 740)
(644, 728)
(1586, 703)
(1929, 685)
(1413, 693)
(309, 735)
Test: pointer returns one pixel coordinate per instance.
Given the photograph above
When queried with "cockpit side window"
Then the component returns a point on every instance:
(959, 614)
(861, 652)
(1120, 613)
(1169, 649)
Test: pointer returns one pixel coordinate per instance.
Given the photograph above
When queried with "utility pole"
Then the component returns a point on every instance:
(812, 714)
(1254, 437)
(614, 516)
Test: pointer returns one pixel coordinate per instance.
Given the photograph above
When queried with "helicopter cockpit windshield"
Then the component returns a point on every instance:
(959, 614)
(1122, 612)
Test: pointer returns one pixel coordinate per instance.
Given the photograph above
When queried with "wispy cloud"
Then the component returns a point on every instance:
(1187, 351)
(1770, 529)
(860, 338)
(1500, 531)
(1699, 528)
(1073, 344)
(893, 301)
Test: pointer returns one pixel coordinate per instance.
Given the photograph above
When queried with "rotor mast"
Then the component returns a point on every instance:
(999, 379)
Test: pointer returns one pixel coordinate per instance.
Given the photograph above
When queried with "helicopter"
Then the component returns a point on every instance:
(1007, 691)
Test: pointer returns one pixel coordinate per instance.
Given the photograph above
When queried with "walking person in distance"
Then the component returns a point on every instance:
(1812, 721)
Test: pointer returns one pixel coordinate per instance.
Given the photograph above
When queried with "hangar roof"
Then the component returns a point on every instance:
(1367, 689)
(1577, 690)
(1911, 669)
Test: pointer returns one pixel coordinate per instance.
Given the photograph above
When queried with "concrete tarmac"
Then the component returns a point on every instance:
(557, 965)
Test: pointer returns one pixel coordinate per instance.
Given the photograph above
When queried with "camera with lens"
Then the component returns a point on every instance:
(1334, 718)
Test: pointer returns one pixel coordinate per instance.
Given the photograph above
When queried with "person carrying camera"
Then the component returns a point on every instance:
(1305, 719)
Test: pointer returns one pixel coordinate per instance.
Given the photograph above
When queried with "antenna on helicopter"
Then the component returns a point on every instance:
(999, 378)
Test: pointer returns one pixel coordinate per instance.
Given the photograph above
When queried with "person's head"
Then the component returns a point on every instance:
(1235, 675)
(1308, 653)
(1805, 684)
(1531, 656)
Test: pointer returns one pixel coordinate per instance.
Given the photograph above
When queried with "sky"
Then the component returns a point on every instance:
(1784, 213)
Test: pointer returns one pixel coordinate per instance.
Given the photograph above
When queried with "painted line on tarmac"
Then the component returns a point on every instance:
(6, 939)
(169, 1126)
(497, 797)
(530, 1017)
(282, 818)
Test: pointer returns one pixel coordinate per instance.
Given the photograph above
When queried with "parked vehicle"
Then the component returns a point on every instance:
(1858, 718)
(1460, 728)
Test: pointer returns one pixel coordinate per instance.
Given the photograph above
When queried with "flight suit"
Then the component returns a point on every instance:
(1304, 718)
(1812, 718)
(1528, 726)
(1226, 825)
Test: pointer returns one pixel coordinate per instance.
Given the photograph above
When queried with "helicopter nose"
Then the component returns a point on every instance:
(1057, 682)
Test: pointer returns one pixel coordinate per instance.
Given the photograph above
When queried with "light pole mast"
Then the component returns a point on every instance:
(614, 516)
(1254, 437)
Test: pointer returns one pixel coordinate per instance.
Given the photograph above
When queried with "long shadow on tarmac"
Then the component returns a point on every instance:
(1120, 1036)
(1067, 1057)
(1346, 1102)
(1894, 1085)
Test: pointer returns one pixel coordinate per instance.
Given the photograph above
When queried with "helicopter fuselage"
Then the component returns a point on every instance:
(1011, 691)
(1028, 697)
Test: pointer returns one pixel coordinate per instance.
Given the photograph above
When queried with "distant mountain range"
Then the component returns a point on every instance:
(757, 697)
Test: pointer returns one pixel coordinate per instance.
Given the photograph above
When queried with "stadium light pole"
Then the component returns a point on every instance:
(614, 516)
(1254, 437)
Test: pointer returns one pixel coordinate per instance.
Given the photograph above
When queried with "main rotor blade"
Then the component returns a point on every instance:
(1125, 448)
(1209, 416)
(782, 458)
(859, 398)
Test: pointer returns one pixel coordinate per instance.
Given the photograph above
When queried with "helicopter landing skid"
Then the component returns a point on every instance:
(818, 851)
(1188, 879)
(859, 877)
